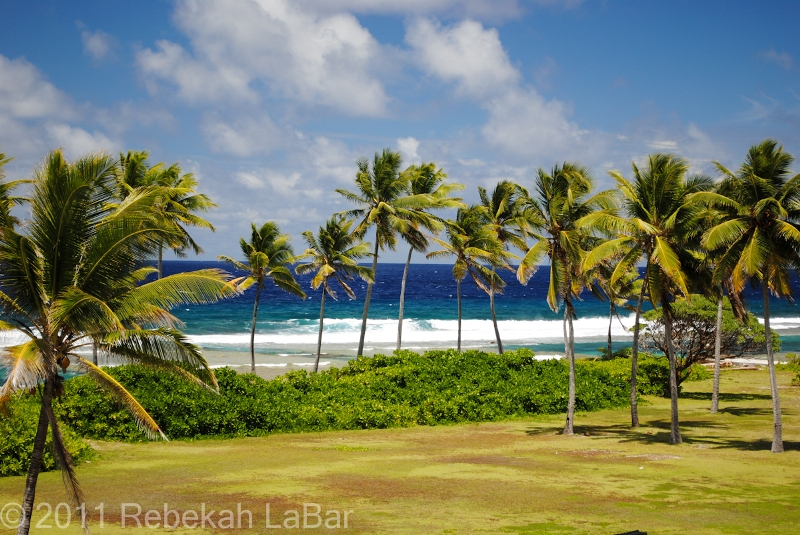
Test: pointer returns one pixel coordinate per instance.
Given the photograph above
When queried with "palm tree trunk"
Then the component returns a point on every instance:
(494, 321)
(610, 321)
(160, 258)
(635, 360)
(253, 329)
(569, 345)
(458, 297)
(675, 431)
(366, 301)
(36, 461)
(319, 338)
(777, 437)
(403, 299)
(717, 350)
(94, 352)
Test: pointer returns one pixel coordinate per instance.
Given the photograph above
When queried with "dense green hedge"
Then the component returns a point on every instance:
(439, 387)
(17, 432)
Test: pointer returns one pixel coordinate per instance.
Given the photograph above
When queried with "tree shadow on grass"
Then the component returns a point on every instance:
(725, 397)
(660, 434)
(745, 411)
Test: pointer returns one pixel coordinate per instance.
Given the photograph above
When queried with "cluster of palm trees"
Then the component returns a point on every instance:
(691, 234)
(74, 276)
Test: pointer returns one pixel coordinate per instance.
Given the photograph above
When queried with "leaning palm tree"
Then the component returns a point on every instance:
(424, 179)
(761, 237)
(268, 255)
(474, 244)
(384, 203)
(334, 254)
(73, 276)
(178, 204)
(504, 211)
(566, 219)
(663, 224)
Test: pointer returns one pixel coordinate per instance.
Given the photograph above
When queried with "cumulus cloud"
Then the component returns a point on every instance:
(520, 121)
(466, 54)
(408, 147)
(245, 137)
(241, 48)
(493, 10)
(97, 44)
(35, 116)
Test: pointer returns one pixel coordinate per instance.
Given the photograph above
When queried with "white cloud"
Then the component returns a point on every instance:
(77, 141)
(494, 10)
(97, 44)
(245, 137)
(782, 59)
(250, 180)
(466, 54)
(25, 94)
(196, 80)
(520, 121)
(35, 116)
(245, 46)
(408, 147)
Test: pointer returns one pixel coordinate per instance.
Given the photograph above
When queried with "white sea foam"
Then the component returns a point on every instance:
(421, 334)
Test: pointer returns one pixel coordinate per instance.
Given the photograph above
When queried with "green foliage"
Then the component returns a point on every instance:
(17, 433)
(439, 387)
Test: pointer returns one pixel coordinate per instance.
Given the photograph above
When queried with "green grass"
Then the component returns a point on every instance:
(516, 477)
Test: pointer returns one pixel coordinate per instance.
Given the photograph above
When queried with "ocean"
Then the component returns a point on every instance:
(286, 332)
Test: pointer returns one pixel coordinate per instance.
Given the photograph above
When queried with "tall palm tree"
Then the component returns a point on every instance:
(504, 211)
(424, 179)
(566, 219)
(474, 243)
(334, 254)
(177, 205)
(663, 218)
(268, 255)
(73, 276)
(384, 204)
(761, 238)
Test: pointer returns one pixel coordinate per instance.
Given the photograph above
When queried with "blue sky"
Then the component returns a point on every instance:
(270, 102)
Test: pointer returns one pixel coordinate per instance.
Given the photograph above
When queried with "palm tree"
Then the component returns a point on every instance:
(761, 238)
(663, 217)
(72, 277)
(334, 253)
(424, 179)
(618, 294)
(565, 218)
(177, 205)
(474, 243)
(504, 211)
(267, 254)
(383, 203)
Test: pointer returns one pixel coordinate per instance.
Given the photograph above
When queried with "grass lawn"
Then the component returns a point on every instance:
(517, 477)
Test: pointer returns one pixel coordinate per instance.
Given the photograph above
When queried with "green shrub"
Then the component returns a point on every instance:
(439, 387)
(17, 433)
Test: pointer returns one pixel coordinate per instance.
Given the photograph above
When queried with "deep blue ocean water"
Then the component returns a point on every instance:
(288, 326)
(288, 323)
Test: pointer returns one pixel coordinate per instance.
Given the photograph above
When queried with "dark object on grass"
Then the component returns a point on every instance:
(636, 532)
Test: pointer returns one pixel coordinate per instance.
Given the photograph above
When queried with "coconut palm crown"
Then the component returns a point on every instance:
(384, 203)
(334, 254)
(75, 276)
(760, 237)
